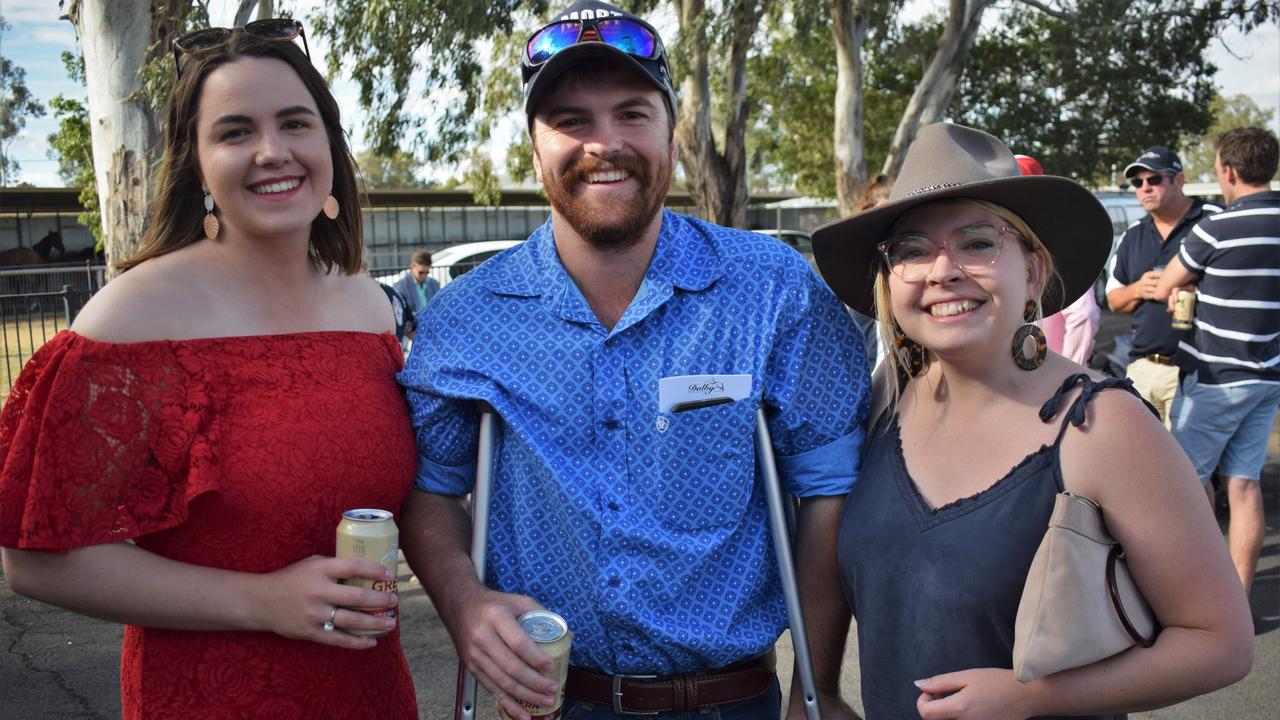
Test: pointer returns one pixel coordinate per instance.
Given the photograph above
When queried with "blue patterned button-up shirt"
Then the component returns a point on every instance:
(647, 531)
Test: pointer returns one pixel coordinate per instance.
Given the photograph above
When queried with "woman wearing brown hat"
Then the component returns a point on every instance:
(978, 430)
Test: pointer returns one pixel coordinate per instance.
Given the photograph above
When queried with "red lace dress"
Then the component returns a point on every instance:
(238, 453)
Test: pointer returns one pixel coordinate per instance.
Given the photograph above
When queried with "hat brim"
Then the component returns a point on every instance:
(1135, 167)
(545, 78)
(1067, 218)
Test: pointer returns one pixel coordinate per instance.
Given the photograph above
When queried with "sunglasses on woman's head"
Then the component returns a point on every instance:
(1153, 181)
(199, 42)
(632, 37)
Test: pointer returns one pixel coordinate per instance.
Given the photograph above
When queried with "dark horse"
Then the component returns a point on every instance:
(36, 254)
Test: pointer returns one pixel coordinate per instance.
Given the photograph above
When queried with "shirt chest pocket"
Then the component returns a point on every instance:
(706, 459)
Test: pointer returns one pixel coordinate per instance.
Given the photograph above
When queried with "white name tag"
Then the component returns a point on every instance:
(697, 390)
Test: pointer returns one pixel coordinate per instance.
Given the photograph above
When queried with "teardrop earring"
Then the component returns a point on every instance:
(331, 207)
(1029, 344)
(211, 226)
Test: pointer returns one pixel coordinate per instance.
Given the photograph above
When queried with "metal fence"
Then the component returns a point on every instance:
(35, 304)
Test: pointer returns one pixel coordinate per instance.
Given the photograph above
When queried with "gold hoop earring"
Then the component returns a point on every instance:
(1029, 344)
(331, 207)
(211, 226)
(909, 353)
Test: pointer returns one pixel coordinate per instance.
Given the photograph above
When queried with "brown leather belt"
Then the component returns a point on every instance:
(649, 694)
(1160, 359)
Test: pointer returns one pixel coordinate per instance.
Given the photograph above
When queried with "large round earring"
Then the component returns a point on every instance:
(331, 207)
(210, 220)
(909, 353)
(1029, 344)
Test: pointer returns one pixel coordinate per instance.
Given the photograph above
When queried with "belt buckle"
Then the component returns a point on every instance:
(617, 693)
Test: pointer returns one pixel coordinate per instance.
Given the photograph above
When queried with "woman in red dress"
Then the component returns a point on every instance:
(178, 460)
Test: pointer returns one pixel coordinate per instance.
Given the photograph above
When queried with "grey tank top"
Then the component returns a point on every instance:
(937, 590)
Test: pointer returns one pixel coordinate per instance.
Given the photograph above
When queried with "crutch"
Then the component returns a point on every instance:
(779, 525)
(464, 707)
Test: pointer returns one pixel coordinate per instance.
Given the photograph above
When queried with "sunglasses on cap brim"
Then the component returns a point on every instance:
(199, 42)
(633, 37)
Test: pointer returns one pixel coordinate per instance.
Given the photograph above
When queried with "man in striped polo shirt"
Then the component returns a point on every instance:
(1227, 400)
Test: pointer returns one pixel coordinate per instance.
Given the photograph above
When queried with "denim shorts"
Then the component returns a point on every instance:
(1226, 428)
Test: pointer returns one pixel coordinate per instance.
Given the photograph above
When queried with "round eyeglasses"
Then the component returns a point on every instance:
(972, 248)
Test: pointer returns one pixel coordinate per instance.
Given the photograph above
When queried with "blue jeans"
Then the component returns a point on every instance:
(766, 707)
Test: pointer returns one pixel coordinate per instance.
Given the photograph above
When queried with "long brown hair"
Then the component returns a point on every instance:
(177, 211)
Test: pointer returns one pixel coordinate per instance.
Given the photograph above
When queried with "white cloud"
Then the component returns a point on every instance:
(31, 11)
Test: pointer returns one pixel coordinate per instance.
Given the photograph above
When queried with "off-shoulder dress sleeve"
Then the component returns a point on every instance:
(103, 442)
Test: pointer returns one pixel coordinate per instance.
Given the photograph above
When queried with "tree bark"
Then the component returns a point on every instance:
(938, 85)
(849, 28)
(717, 181)
(115, 36)
(245, 11)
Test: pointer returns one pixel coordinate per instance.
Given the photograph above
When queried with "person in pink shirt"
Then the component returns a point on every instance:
(1069, 332)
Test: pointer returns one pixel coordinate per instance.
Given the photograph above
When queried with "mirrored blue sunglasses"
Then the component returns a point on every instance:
(632, 37)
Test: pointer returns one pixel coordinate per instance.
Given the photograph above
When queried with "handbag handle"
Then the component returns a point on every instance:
(1116, 554)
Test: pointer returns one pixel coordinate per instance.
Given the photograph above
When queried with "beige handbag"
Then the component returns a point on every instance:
(1080, 604)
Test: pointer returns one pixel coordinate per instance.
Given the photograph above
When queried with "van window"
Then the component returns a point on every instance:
(1118, 220)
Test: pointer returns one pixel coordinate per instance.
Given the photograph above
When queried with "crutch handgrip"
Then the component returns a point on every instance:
(786, 567)
(465, 701)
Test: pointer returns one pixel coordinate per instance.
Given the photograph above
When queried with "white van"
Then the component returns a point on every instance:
(1124, 210)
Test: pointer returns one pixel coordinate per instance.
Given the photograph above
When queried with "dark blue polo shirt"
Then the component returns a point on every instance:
(1236, 253)
(1141, 249)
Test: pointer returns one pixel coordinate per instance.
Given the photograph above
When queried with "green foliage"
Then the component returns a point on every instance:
(395, 171)
(793, 87)
(385, 44)
(72, 147)
(1085, 95)
(16, 105)
(1237, 111)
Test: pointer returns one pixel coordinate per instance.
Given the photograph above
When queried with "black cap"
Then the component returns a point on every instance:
(1157, 158)
(538, 78)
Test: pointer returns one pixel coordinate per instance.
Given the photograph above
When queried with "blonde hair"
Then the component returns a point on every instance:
(885, 321)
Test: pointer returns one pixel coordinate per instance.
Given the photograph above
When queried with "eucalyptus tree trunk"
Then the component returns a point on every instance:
(115, 36)
(246, 11)
(938, 85)
(849, 28)
(717, 180)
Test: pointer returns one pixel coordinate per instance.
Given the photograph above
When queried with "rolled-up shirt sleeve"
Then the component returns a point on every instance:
(445, 427)
(817, 392)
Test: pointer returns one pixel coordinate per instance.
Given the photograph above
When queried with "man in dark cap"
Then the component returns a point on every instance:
(626, 349)
(1145, 249)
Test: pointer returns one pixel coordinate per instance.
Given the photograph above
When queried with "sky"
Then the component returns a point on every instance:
(1247, 65)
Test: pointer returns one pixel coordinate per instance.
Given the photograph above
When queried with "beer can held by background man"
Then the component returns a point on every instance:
(1184, 310)
(371, 534)
(552, 634)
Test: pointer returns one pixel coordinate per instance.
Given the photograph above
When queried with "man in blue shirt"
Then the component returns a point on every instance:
(1226, 404)
(417, 287)
(1145, 249)
(619, 501)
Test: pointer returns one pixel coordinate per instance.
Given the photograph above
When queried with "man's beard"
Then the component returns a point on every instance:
(638, 214)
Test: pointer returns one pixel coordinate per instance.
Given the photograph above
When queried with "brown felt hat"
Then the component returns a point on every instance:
(953, 161)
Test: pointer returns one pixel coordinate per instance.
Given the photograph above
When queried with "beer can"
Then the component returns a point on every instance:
(552, 634)
(1184, 309)
(371, 534)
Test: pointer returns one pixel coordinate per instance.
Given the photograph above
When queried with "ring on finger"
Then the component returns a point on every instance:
(328, 624)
